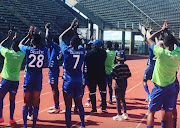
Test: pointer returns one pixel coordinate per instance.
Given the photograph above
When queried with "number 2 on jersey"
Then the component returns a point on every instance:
(39, 58)
(77, 60)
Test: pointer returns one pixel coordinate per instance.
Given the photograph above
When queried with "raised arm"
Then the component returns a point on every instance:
(48, 36)
(7, 38)
(23, 41)
(151, 39)
(74, 25)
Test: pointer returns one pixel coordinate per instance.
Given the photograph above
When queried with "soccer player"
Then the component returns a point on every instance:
(54, 55)
(96, 74)
(109, 63)
(149, 70)
(164, 75)
(10, 74)
(120, 73)
(35, 57)
(72, 78)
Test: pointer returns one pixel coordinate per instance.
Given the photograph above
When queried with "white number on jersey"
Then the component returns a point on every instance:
(77, 60)
(39, 63)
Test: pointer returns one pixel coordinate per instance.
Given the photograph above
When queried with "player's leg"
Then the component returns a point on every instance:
(55, 91)
(109, 83)
(27, 103)
(118, 103)
(1, 107)
(68, 104)
(122, 97)
(147, 76)
(36, 102)
(163, 118)
(92, 88)
(12, 95)
(102, 88)
(155, 104)
(4, 87)
(79, 92)
(75, 106)
(175, 104)
(150, 119)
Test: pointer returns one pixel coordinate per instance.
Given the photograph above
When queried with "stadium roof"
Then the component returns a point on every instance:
(127, 14)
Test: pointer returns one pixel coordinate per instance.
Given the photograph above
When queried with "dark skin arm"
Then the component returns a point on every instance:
(48, 36)
(7, 38)
(74, 25)
(151, 40)
(23, 41)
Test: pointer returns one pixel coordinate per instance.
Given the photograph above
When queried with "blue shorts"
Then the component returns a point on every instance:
(177, 91)
(31, 85)
(148, 73)
(162, 97)
(8, 86)
(109, 80)
(75, 89)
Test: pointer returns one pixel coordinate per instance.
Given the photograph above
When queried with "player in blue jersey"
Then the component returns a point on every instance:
(149, 70)
(54, 56)
(72, 84)
(35, 57)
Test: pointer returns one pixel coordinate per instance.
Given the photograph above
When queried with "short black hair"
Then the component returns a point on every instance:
(116, 46)
(168, 40)
(36, 38)
(109, 44)
(76, 41)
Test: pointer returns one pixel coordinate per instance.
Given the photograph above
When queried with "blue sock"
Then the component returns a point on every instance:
(81, 115)
(30, 110)
(146, 89)
(1, 107)
(150, 127)
(12, 107)
(174, 123)
(25, 113)
(68, 117)
(57, 105)
(163, 124)
(35, 116)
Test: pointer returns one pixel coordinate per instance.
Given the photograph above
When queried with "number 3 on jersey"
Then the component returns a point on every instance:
(77, 60)
(39, 62)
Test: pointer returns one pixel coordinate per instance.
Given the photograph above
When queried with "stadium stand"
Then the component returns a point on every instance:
(18, 15)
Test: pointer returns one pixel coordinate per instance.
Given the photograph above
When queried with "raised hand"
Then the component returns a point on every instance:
(30, 31)
(9, 33)
(35, 30)
(74, 22)
(165, 25)
(47, 26)
(15, 36)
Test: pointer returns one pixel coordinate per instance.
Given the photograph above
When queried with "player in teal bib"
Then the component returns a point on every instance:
(164, 92)
(109, 63)
(10, 74)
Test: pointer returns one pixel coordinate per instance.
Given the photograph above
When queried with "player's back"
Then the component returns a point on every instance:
(35, 58)
(54, 56)
(109, 63)
(73, 60)
(12, 64)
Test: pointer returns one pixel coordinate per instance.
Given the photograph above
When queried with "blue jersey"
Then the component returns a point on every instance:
(35, 59)
(151, 58)
(73, 60)
(54, 56)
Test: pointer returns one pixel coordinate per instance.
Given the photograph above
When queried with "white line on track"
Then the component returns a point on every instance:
(139, 124)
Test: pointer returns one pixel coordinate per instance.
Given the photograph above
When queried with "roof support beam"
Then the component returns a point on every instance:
(93, 18)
